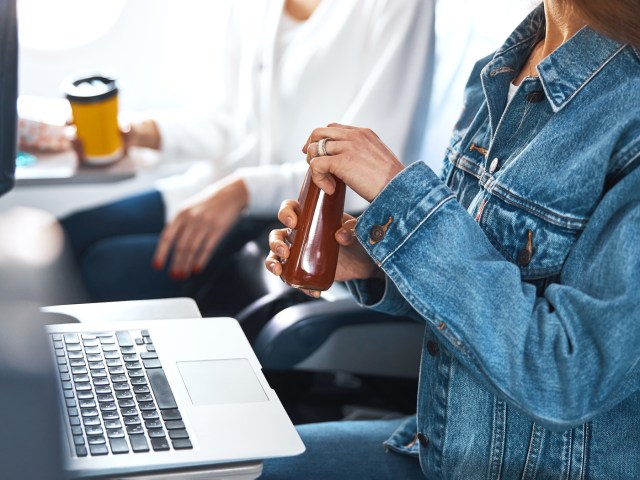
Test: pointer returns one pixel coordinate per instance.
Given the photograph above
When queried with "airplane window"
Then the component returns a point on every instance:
(47, 25)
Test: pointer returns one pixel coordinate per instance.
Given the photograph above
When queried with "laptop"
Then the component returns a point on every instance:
(139, 397)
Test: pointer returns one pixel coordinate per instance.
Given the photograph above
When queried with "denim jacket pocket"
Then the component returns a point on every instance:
(538, 246)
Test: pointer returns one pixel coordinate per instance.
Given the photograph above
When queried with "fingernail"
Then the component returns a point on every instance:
(272, 267)
(280, 251)
(156, 265)
(343, 236)
(197, 269)
(288, 221)
(178, 275)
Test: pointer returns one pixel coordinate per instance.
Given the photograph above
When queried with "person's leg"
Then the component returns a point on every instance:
(119, 268)
(345, 451)
(138, 214)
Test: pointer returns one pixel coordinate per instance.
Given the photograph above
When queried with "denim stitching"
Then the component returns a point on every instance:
(410, 234)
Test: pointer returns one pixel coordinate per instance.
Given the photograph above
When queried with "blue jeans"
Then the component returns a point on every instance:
(114, 246)
(345, 451)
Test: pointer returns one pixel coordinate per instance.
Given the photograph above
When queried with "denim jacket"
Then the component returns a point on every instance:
(523, 261)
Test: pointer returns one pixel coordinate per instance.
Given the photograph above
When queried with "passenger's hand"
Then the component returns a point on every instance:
(143, 133)
(355, 155)
(353, 260)
(196, 230)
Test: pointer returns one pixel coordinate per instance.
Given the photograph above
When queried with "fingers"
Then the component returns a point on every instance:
(273, 264)
(322, 169)
(188, 246)
(202, 258)
(164, 244)
(288, 213)
(334, 132)
(191, 248)
(278, 243)
(331, 147)
(279, 250)
(346, 234)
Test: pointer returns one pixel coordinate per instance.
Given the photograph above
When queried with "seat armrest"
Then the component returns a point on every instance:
(297, 332)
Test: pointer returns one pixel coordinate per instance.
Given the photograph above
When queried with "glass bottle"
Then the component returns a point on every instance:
(313, 254)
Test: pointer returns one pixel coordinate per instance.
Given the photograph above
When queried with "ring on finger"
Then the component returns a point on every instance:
(322, 147)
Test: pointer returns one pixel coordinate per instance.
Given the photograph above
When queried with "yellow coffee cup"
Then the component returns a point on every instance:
(94, 107)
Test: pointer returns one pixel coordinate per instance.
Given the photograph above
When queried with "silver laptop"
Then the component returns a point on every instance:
(161, 395)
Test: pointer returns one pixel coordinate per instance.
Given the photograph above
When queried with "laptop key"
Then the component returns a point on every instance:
(153, 423)
(161, 389)
(110, 415)
(181, 443)
(78, 440)
(132, 421)
(71, 338)
(135, 429)
(119, 445)
(124, 339)
(96, 439)
(115, 433)
(174, 424)
(115, 423)
(138, 443)
(175, 434)
(81, 451)
(172, 414)
(98, 449)
(156, 433)
(152, 363)
(148, 355)
(150, 414)
(160, 444)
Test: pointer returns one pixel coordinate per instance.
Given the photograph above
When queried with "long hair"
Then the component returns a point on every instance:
(618, 19)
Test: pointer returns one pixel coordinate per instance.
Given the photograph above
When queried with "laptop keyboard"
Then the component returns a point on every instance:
(116, 394)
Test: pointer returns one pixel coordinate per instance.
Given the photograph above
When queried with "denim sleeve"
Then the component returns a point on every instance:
(561, 358)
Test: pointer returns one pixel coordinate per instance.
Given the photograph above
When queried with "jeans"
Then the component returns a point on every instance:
(114, 245)
(345, 451)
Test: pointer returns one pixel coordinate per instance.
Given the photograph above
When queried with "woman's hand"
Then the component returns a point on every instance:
(353, 260)
(355, 155)
(198, 227)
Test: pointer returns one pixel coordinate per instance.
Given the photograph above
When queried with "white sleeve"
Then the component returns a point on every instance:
(391, 72)
(395, 62)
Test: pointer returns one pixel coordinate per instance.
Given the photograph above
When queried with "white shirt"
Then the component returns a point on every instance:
(358, 62)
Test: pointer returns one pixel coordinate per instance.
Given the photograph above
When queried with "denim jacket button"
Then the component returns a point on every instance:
(535, 97)
(524, 257)
(495, 163)
(424, 441)
(432, 348)
(376, 233)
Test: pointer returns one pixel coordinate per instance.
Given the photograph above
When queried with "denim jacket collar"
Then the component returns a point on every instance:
(563, 73)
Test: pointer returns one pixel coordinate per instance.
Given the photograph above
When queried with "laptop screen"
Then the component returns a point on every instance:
(8, 93)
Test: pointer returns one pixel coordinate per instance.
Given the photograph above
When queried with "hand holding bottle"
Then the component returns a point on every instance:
(353, 260)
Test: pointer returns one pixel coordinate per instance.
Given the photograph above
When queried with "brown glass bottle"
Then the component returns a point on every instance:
(314, 251)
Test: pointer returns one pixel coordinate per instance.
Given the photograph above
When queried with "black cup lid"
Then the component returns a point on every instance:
(90, 89)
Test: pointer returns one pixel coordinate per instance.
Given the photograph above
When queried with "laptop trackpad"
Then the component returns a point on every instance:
(214, 382)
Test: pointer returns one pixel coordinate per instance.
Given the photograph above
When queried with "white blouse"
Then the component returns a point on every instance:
(358, 62)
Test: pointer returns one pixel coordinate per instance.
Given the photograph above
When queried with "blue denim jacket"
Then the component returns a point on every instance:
(524, 263)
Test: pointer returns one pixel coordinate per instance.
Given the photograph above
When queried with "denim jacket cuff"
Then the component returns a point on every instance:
(367, 294)
(396, 212)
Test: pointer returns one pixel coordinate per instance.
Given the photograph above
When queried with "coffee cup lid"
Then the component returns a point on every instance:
(90, 89)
